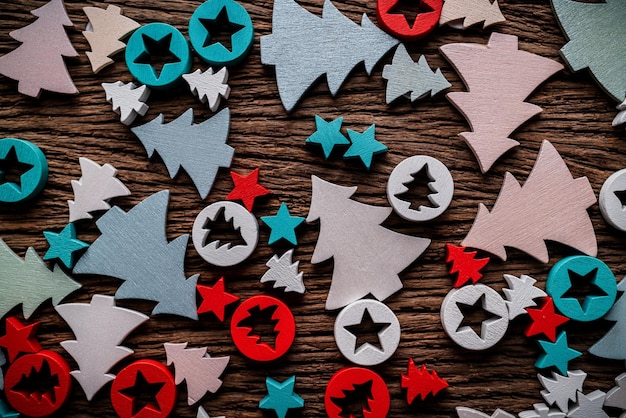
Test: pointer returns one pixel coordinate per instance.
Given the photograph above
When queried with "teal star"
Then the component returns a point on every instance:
(6, 412)
(64, 245)
(328, 134)
(557, 354)
(364, 146)
(283, 225)
(281, 396)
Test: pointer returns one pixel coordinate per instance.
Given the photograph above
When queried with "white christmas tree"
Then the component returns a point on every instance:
(210, 87)
(612, 344)
(620, 118)
(99, 327)
(560, 390)
(284, 273)
(197, 368)
(91, 192)
(128, 100)
(616, 397)
(202, 413)
(367, 256)
(521, 294)
(471, 12)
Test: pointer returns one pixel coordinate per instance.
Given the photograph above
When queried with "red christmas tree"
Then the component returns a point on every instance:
(465, 264)
(420, 382)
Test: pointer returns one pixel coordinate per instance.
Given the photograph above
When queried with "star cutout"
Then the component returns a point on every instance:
(545, 320)
(220, 30)
(407, 9)
(19, 338)
(247, 188)
(589, 406)
(283, 225)
(64, 245)
(6, 412)
(215, 299)
(476, 316)
(12, 169)
(281, 396)
(365, 329)
(557, 354)
(364, 146)
(143, 393)
(583, 288)
(157, 53)
(327, 134)
(621, 195)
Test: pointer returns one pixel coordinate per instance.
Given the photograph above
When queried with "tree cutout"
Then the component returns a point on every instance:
(355, 402)
(596, 33)
(38, 63)
(99, 327)
(104, 31)
(420, 382)
(133, 247)
(521, 294)
(303, 47)
(95, 187)
(201, 150)
(197, 368)
(202, 413)
(29, 282)
(551, 205)
(620, 118)
(128, 100)
(465, 264)
(560, 390)
(367, 257)
(404, 77)
(612, 344)
(470, 12)
(616, 397)
(494, 104)
(210, 87)
(284, 273)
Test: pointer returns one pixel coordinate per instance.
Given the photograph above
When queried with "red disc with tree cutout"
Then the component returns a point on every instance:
(353, 385)
(394, 22)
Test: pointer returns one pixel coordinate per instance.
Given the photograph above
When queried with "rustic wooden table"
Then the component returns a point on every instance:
(576, 118)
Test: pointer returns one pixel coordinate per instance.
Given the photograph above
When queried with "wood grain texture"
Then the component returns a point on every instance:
(576, 119)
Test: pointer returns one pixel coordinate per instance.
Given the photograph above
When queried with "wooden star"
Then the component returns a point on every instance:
(19, 338)
(545, 320)
(283, 225)
(247, 188)
(64, 245)
(215, 299)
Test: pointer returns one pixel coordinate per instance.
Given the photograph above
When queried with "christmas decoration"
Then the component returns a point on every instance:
(494, 104)
(399, 26)
(616, 397)
(133, 247)
(64, 245)
(541, 410)
(367, 257)
(561, 389)
(467, 13)
(247, 188)
(99, 327)
(609, 200)
(356, 380)
(364, 146)
(281, 396)
(327, 135)
(611, 344)
(589, 406)
(215, 299)
(420, 382)
(3, 361)
(557, 354)
(284, 273)
(282, 225)
(465, 264)
(202, 413)
(6, 412)
(520, 294)
(19, 338)
(31, 161)
(210, 87)
(545, 320)
(127, 99)
(620, 118)
(464, 412)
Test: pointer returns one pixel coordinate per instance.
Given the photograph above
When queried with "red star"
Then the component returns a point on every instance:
(247, 188)
(545, 320)
(19, 338)
(215, 299)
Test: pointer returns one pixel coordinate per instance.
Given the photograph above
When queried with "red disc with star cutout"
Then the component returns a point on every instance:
(38, 384)
(357, 382)
(144, 389)
(396, 24)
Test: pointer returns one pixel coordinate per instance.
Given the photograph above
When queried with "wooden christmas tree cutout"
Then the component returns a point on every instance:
(620, 118)
(521, 294)
(464, 412)
(367, 257)
(494, 104)
(616, 397)
(541, 410)
(104, 31)
(466, 13)
(611, 345)
(560, 390)
(99, 327)
(284, 273)
(38, 63)
(209, 87)
(551, 205)
(421, 383)
(128, 100)
(202, 413)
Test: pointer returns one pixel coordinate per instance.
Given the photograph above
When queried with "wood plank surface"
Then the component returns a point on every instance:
(576, 118)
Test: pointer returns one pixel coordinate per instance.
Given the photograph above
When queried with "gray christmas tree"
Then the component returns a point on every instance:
(303, 47)
(199, 148)
(133, 247)
(612, 344)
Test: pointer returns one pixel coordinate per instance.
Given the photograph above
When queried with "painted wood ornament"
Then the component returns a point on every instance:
(419, 382)
(215, 299)
(139, 377)
(281, 396)
(202, 413)
(29, 282)
(494, 104)
(521, 294)
(145, 42)
(197, 368)
(612, 344)
(616, 397)
(441, 186)
(620, 118)
(351, 379)
(64, 246)
(303, 47)
(29, 158)
(210, 87)
(589, 405)
(414, 80)
(99, 327)
(545, 320)
(133, 247)
(464, 264)
(127, 99)
(595, 32)
(556, 354)
(351, 322)
(202, 152)
(282, 225)
(44, 366)
(559, 390)
(609, 200)
(464, 412)
(38, 63)
(328, 135)
(247, 188)
(364, 146)
(462, 14)
(6, 411)
(397, 25)
(284, 273)
(541, 410)
(351, 233)
(19, 338)
(551, 205)
(492, 329)
(219, 253)
(92, 192)
(104, 32)
(3, 362)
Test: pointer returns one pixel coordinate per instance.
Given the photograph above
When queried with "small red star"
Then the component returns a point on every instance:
(215, 299)
(545, 320)
(19, 338)
(247, 188)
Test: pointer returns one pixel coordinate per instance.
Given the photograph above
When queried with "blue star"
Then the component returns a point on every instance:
(281, 396)
(283, 225)
(64, 245)
(557, 354)
(328, 134)
(6, 412)
(364, 146)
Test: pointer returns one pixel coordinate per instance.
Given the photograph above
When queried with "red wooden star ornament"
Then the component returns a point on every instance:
(545, 320)
(247, 188)
(215, 299)
(19, 338)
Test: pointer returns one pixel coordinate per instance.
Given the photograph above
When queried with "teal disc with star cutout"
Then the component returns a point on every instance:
(575, 272)
(157, 55)
(214, 17)
(30, 161)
